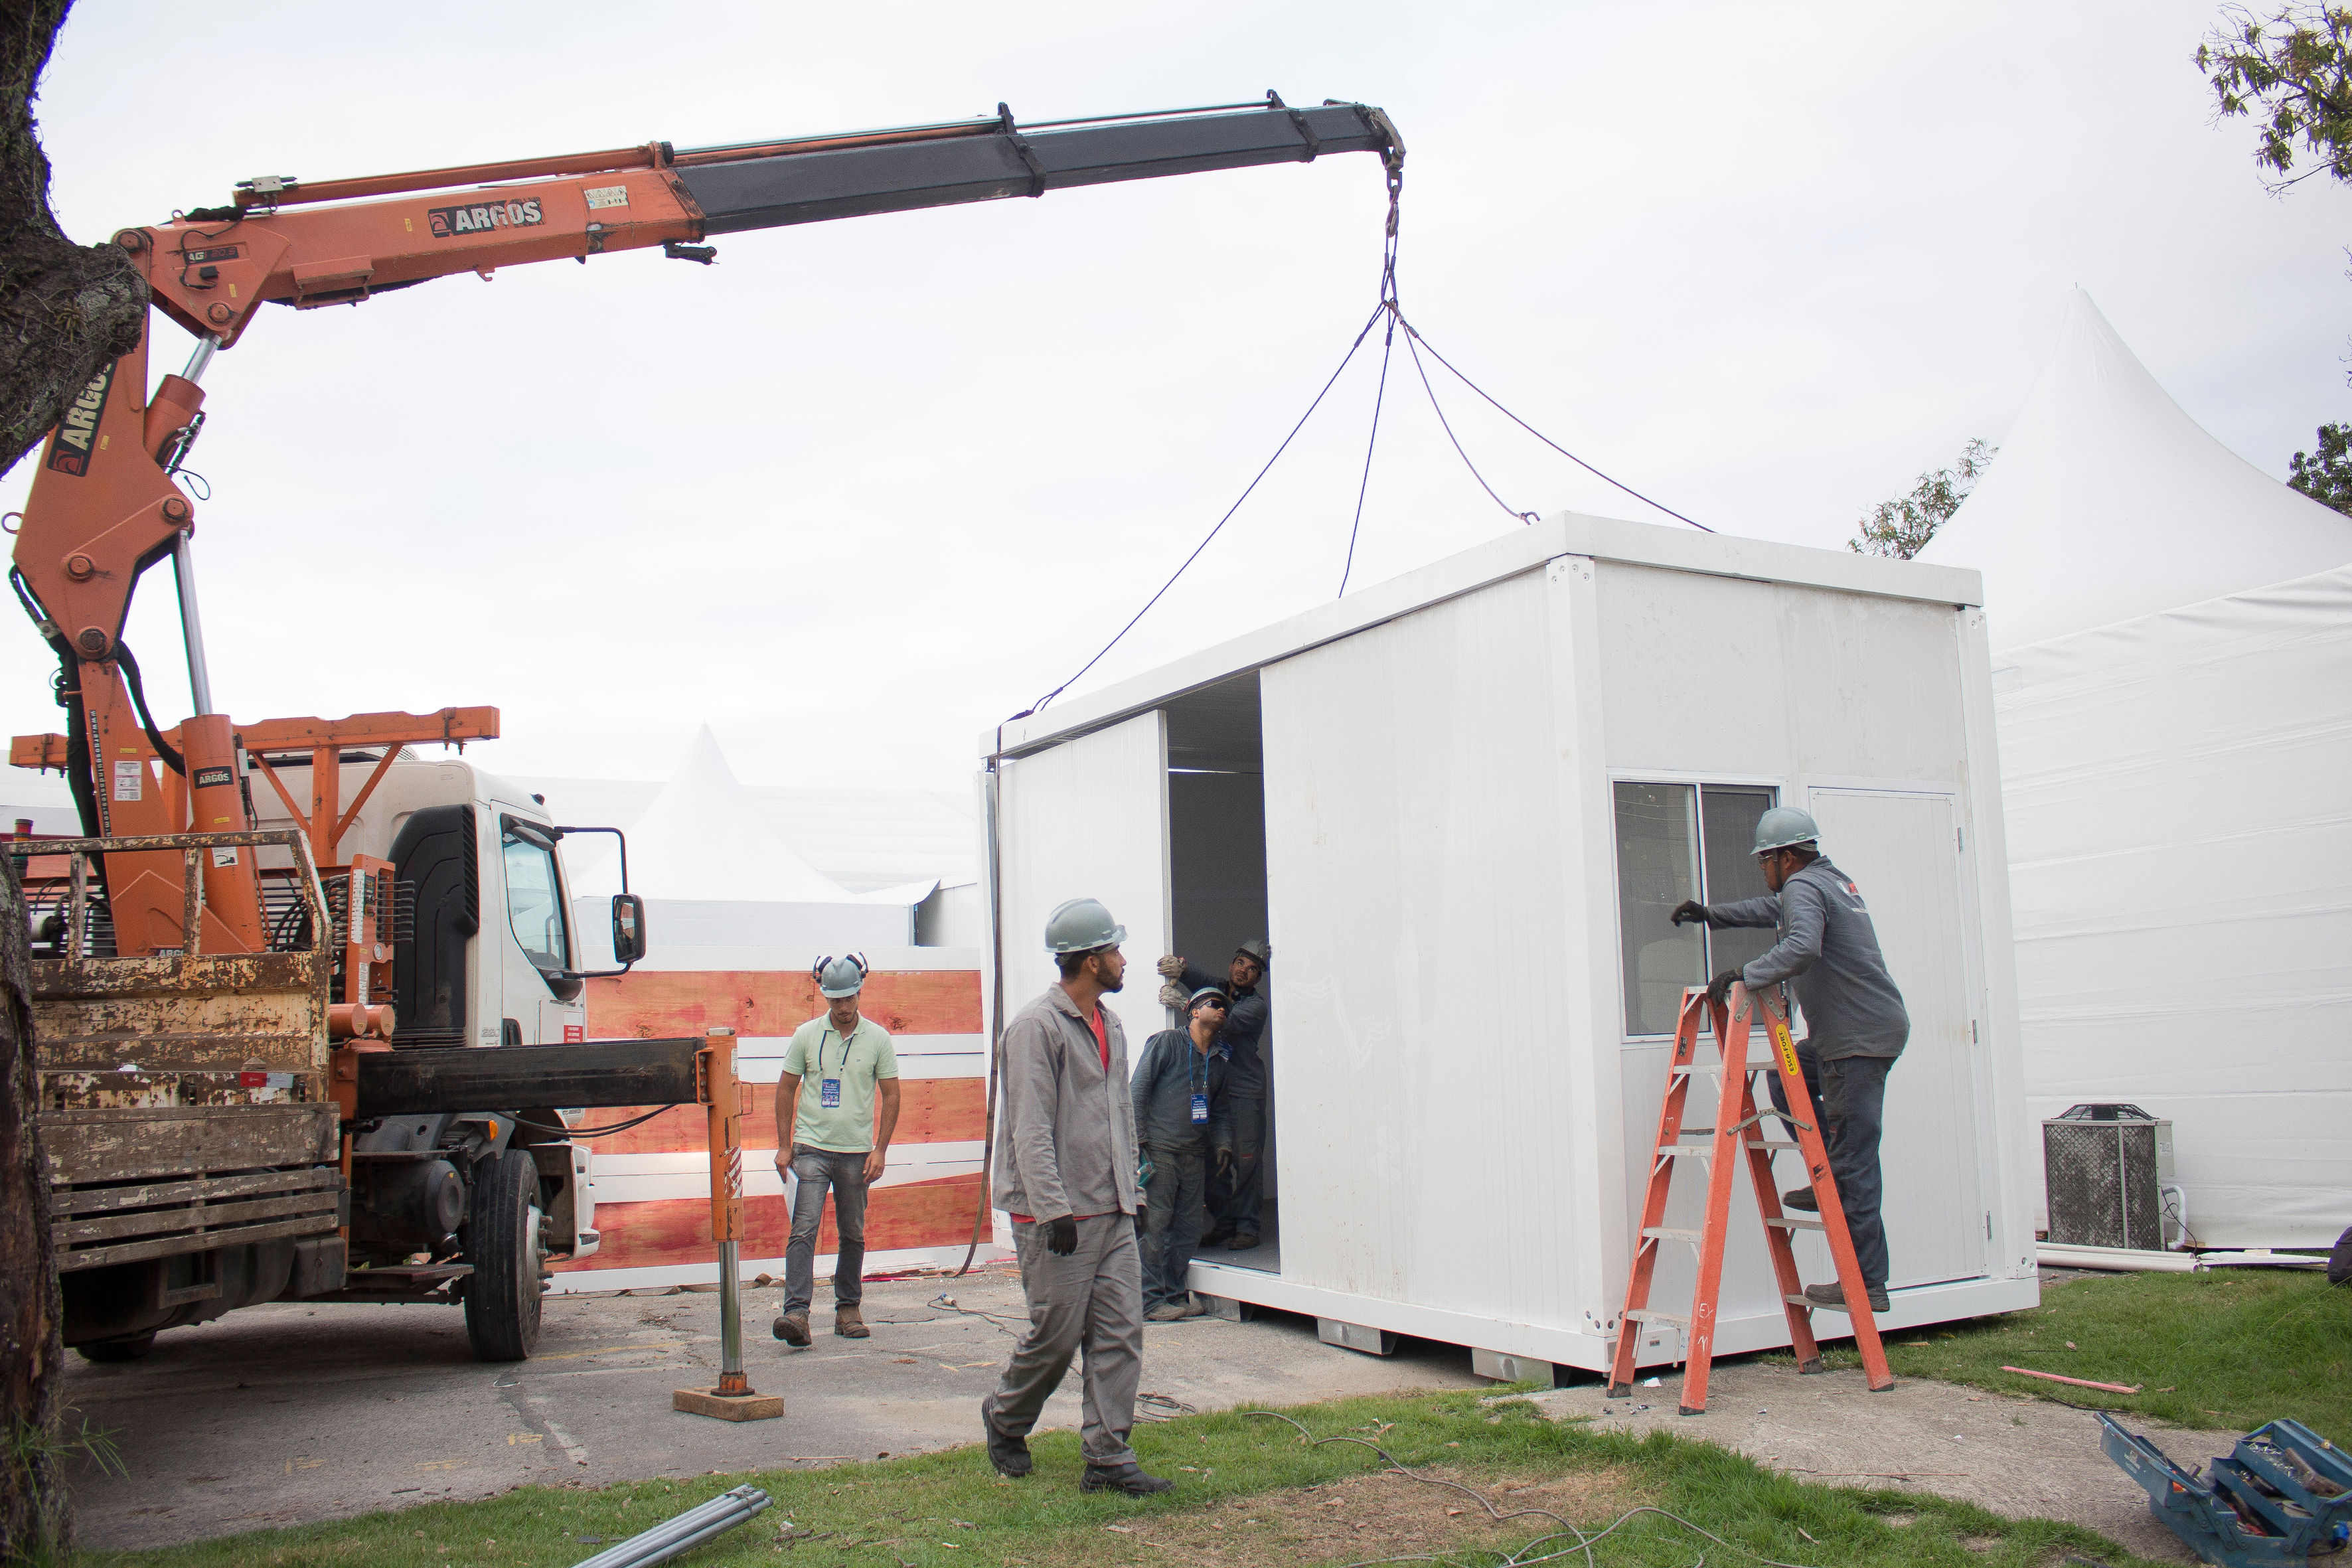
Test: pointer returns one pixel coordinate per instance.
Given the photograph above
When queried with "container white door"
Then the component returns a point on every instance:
(1904, 851)
(1088, 819)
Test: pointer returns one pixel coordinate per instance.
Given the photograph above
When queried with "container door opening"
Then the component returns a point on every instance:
(1216, 860)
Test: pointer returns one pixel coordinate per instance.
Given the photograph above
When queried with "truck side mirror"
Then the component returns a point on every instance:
(628, 928)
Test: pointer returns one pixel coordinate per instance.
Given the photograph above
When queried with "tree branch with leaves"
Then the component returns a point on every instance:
(1901, 528)
(2291, 73)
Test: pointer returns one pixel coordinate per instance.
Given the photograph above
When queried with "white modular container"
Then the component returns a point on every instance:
(1462, 804)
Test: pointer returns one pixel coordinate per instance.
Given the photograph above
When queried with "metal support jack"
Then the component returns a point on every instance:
(1738, 1127)
(715, 1086)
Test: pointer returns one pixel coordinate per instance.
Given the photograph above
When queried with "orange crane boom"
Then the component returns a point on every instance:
(105, 506)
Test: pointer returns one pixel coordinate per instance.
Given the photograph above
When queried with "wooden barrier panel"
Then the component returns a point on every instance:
(654, 1004)
(651, 1181)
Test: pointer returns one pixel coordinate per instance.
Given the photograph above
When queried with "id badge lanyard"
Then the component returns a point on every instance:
(828, 1088)
(1200, 1059)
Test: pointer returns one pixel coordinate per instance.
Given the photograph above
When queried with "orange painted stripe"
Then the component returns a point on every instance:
(663, 1004)
(674, 1231)
(931, 1110)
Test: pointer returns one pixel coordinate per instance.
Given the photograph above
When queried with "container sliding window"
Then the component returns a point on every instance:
(1678, 841)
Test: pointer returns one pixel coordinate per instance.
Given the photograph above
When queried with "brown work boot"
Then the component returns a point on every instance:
(793, 1327)
(849, 1324)
(1833, 1297)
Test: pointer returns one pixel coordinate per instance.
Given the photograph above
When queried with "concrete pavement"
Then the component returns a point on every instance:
(2012, 1455)
(290, 1413)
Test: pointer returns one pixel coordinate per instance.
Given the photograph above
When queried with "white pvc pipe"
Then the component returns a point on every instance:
(2121, 1259)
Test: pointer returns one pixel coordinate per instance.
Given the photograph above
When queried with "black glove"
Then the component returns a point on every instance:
(1689, 911)
(1718, 990)
(1062, 1236)
(1224, 1161)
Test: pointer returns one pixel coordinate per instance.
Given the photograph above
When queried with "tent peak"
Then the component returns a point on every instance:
(2109, 501)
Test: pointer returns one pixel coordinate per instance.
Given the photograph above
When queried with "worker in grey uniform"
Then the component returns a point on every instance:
(1065, 1173)
(1856, 1022)
(1182, 1118)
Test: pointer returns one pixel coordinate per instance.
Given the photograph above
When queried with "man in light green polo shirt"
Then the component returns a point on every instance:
(827, 1135)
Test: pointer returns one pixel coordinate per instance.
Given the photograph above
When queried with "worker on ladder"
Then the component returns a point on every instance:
(1856, 1022)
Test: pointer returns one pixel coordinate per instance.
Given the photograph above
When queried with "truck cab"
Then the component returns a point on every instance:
(448, 925)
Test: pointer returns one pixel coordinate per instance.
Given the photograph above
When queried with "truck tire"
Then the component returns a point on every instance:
(129, 1347)
(503, 1294)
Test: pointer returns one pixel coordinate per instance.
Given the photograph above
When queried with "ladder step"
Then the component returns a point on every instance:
(1784, 1222)
(1668, 1151)
(1667, 1233)
(1650, 1315)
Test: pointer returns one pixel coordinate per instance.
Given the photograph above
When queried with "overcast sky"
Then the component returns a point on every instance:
(863, 487)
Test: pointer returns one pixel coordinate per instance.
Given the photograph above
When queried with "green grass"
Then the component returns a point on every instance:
(950, 1508)
(2230, 1348)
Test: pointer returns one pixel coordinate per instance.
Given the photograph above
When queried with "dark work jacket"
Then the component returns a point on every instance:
(1244, 1036)
(1828, 946)
(1165, 1079)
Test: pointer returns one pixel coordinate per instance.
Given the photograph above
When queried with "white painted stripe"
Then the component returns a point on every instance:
(904, 1044)
(761, 1179)
(759, 1059)
(658, 1163)
(762, 958)
(579, 1280)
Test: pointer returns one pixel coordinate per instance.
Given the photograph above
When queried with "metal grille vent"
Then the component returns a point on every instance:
(2102, 1165)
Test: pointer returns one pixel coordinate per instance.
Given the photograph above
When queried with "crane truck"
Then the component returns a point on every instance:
(294, 1049)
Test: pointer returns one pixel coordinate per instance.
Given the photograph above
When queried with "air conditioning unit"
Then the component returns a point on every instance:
(2107, 1168)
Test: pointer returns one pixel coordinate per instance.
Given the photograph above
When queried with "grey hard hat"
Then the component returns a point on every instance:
(1255, 948)
(839, 977)
(1784, 826)
(1204, 994)
(1082, 925)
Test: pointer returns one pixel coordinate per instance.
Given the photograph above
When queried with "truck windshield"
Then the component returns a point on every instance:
(535, 904)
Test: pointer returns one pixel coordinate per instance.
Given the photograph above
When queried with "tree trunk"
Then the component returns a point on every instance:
(35, 1523)
(66, 311)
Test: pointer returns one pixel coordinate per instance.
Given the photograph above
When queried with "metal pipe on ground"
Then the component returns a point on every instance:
(683, 1533)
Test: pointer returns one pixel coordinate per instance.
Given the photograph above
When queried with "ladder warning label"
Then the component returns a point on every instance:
(130, 777)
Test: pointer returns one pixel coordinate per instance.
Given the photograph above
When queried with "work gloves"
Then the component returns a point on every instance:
(1173, 994)
(1172, 967)
(1718, 990)
(1224, 1161)
(1062, 1236)
(1689, 912)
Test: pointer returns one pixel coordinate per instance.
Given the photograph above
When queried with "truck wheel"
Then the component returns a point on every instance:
(503, 1294)
(131, 1347)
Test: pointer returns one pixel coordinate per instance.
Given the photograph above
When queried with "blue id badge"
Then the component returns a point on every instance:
(828, 1093)
(1200, 1108)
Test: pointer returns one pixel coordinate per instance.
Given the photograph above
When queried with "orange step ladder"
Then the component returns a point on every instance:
(1739, 1125)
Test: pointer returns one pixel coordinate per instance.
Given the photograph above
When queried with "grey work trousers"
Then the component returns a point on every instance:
(1089, 1303)
(1848, 1095)
(1173, 1207)
(1237, 1195)
(816, 1170)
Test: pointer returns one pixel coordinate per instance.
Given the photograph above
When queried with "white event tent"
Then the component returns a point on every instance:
(2172, 673)
(722, 889)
